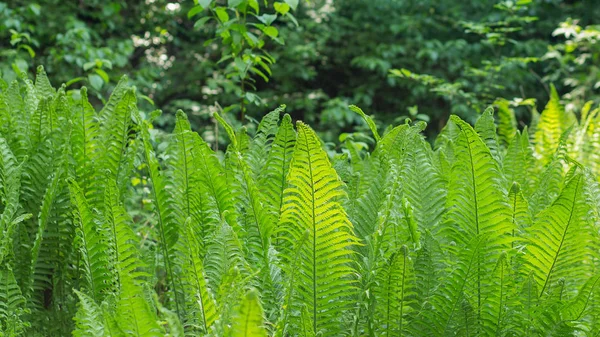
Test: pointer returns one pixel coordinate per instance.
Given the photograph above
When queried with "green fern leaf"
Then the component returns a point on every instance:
(476, 200)
(558, 242)
(554, 121)
(368, 120)
(507, 123)
(10, 185)
(249, 318)
(478, 205)
(84, 140)
(394, 294)
(185, 179)
(312, 203)
(486, 128)
(519, 162)
(42, 84)
(278, 162)
(12, 305)
(92, 245)
(168, 228)
(89, 320)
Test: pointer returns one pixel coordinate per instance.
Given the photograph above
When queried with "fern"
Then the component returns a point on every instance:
(558, 239)
(89, 319)
(92, 246)
(249, 318)
(490, 231)
(168, 229)
(554, 121)
(311, 203)
(394, 293)
(12, 305)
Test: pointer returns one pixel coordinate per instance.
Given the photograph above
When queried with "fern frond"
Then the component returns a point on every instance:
(41, 271)
(18, 132)
(89, 320)
(135, 315)
(43, 87)
(10, 185)
(257, 222)
(113, 134)
(92, 245)
(185, 179)
(486, 128)
(311, 202)
(368, 120)
(497, 312)
(558, 242)
(12, 304)
(520, 214)
(507, 122)
(477, 201)
(551, 178)
(278, 162)
(478, 205)
(424, 185)
(249, 321)
(168, 228)
(117, 94)
(84, 140)
(394, 293)
(123, 245)
(261, 144)
(554, 121)
(214, 180)
(454, 295)
(202, 309)
(519, 162)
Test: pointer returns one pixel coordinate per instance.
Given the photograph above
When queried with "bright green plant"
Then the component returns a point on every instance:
(243, 32)
(486, 233)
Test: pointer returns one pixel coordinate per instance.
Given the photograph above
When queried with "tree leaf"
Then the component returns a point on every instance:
(194, 11)
(96, 81)
(222, 14)
(281, 7)
(292, 3)
(271, 31)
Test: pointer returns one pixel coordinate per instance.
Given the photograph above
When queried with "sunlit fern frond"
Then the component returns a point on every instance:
(554, 121)
(477, 200)
(249, 320)
(278, 162)
(262, 141)
(312, 203)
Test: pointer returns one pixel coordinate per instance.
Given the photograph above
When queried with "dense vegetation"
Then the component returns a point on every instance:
(461, 56)
(109, 230)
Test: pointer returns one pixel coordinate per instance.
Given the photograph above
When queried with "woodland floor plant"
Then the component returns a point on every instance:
(490, 231)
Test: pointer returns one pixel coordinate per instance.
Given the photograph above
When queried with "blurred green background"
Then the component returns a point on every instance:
(396, 59)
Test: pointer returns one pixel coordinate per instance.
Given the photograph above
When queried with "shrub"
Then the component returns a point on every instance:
(485, 233)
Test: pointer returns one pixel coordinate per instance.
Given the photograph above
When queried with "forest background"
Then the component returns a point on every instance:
(396, 59)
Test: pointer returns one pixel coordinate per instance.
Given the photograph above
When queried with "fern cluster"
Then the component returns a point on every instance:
(487, 232)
